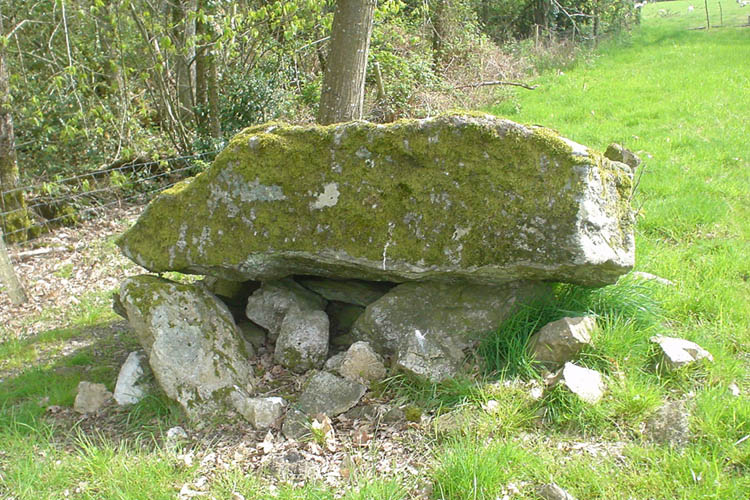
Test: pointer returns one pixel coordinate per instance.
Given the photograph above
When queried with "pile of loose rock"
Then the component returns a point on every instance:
(353, 251)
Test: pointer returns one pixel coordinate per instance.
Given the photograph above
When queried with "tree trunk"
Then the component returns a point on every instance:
(206, 91)
(541, 13)
(343, 91)
(201, 71)
(439, 32)
(15, 217)
(184, 33)
(212, 87)
(8, 276)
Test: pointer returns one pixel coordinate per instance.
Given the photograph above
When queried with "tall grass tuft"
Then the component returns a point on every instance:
(627, 302)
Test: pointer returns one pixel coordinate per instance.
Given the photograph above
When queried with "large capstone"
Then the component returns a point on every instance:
(466, 197)
(193, 345)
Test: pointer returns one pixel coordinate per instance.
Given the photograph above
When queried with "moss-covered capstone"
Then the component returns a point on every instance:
(466, 197)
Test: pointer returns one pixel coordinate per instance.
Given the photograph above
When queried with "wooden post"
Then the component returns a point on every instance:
(721, 15)
(708, 21)
(8, 275)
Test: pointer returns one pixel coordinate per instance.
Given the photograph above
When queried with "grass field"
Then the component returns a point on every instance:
(680, 98)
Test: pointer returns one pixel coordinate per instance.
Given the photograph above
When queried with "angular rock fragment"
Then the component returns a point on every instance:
(669, 425)
(362, 364)
(303, 340)
(458, 197)
(585, 383)
(552, 491)
(615, 152)
(561, 341)
(194, 347)
(262, 413)
(268, 305)
(134, 380)
(680, 352)
(91, 397)
(440, 310)
(334, 362)
(296, 425)
(328, 394)
(429, 358)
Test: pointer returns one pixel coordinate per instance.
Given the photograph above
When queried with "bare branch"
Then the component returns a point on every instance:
(497, 82)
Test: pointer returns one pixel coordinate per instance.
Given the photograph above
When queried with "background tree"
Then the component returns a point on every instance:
(343, 90)
(11, 202)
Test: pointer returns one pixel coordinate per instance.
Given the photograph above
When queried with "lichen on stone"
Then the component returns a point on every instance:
(461, 196)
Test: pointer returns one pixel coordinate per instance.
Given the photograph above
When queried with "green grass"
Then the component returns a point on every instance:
(677, 97)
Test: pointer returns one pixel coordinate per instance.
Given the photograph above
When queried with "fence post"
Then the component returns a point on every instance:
(8, 275)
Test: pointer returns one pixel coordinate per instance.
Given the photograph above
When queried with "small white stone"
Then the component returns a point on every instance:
(175, 436)
(585, 383)
(680, 352)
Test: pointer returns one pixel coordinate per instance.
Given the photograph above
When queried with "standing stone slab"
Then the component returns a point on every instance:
(134, 379)
(268, 305)
(303, 340)
(440, 311)
(458, 197)
(194, 347)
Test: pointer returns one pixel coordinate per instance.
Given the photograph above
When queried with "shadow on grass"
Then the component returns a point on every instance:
(39, 377)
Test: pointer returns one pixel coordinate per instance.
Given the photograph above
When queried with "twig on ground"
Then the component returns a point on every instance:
(38, 251)
(497, 82)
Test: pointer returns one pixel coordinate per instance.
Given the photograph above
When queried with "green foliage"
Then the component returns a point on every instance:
(474, 469)
(250, 99)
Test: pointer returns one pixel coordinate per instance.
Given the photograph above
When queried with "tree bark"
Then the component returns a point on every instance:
(184, 33)
(15, 217)
(206, 87)
(8, 275)
(439, 32)
(201, 68)
(343, 92)
(212, 87)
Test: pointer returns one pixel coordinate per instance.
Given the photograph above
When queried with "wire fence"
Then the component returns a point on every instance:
(66, 201)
